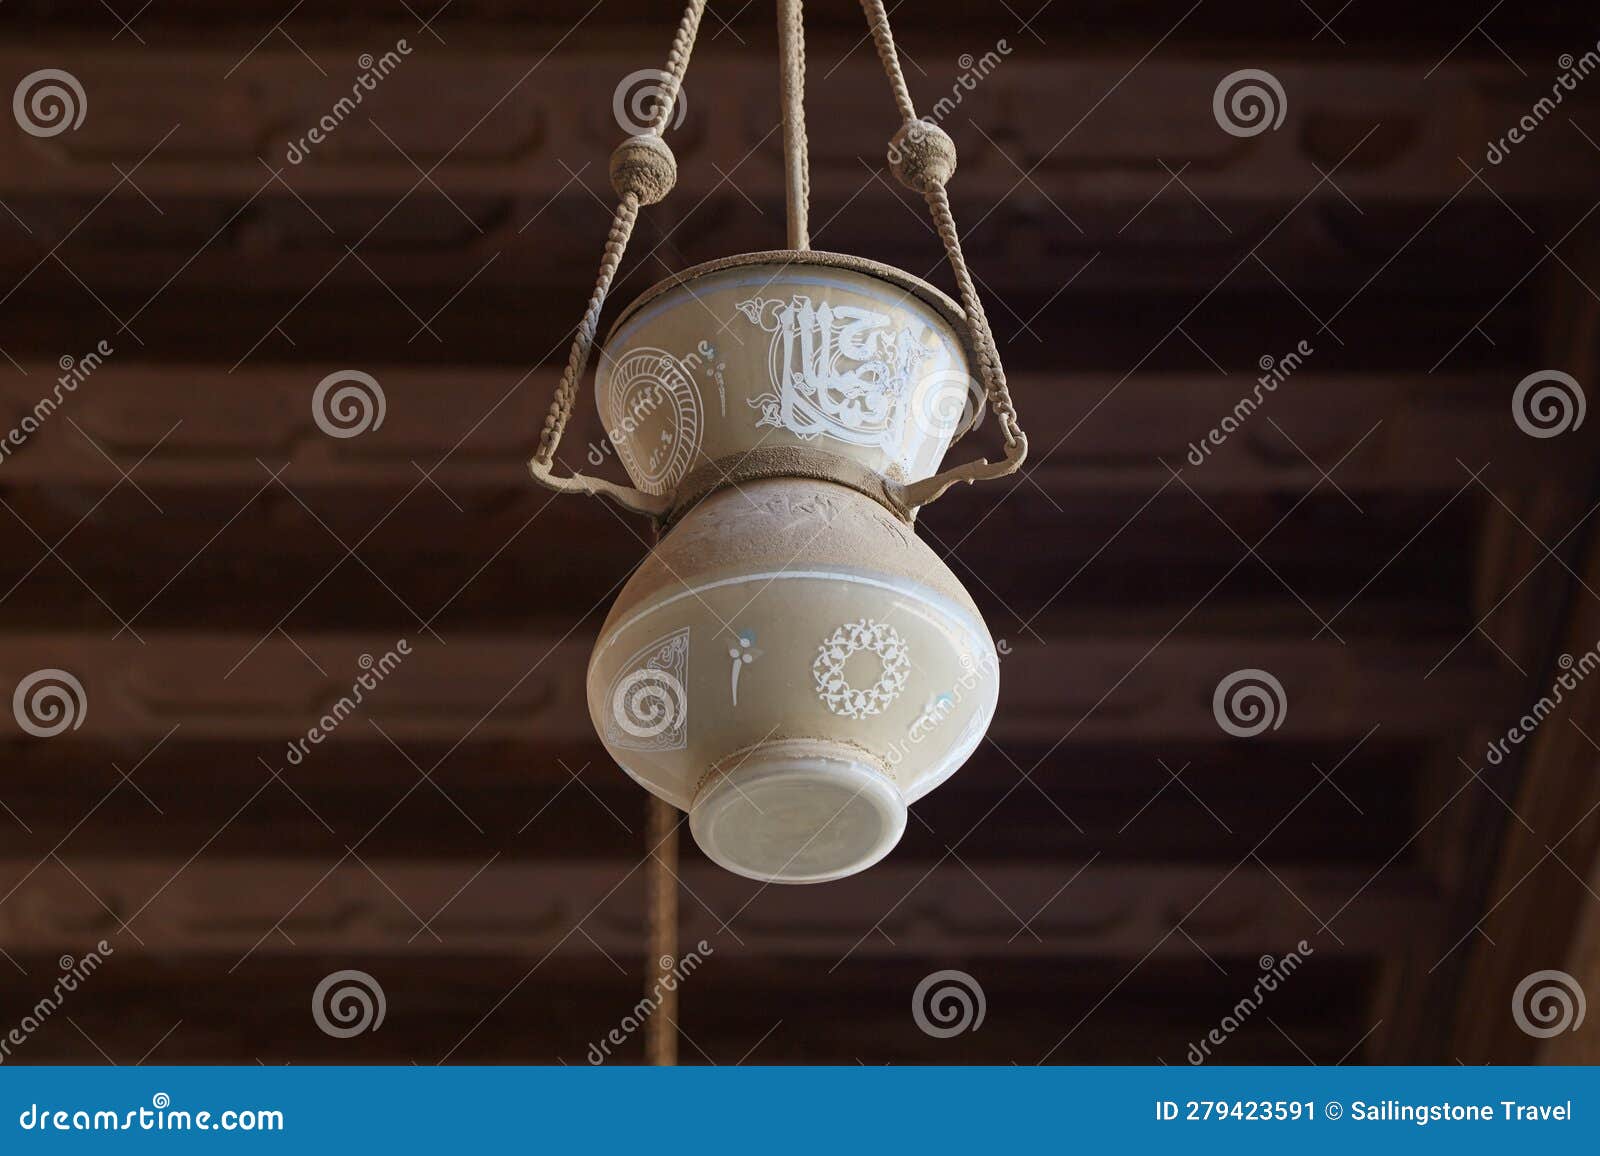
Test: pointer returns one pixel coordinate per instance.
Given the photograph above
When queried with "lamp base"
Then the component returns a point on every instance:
(798, 812)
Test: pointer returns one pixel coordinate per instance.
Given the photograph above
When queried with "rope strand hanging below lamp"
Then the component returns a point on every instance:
(791, 665)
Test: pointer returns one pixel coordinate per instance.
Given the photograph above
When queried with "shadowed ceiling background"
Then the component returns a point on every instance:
(1113, 868)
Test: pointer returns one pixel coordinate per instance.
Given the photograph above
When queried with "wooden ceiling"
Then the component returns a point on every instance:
(1112, 866)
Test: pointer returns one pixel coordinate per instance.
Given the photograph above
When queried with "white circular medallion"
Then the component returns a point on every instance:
(835, 689)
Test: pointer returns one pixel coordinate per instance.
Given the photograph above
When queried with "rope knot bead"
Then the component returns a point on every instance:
(644, 166)
(922, 156)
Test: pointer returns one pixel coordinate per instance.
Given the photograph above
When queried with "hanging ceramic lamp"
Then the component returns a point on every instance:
(791, 665)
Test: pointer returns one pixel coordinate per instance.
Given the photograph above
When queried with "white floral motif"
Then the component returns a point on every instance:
(743, 653)
(828, 669)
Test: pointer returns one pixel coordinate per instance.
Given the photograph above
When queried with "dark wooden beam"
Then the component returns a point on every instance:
(354, 319)
(1538, 565)
(533, 800)
(736, 1008)
(483, 689)
(362, 906)
(507, 119)
(204, 426)
(1424, 30)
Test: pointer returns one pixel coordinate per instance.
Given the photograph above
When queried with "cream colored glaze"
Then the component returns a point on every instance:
(791, 609)
(781, 354)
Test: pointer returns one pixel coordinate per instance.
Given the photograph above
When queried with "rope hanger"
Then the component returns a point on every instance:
(796, 161)
(644, 170)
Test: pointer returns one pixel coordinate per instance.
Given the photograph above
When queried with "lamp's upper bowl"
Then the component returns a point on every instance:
(785, 349)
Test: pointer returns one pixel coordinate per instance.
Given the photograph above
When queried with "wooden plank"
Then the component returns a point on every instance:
(262, 552)
(506, 210)
(1541, 894)
(1423, 29)
(489, 688)
(1546, 605)
(1574, 1046)
(543, 107)
(209, 428)
(365, 906)
(538, 801)
(1538, 565)
(736, 1008)
(517, 326)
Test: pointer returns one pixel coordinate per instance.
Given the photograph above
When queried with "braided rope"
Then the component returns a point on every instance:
(678, 63)
(926, 167)
(989, 367)
(555, 422)
(878, 19)
(644, 179)
(796, 160)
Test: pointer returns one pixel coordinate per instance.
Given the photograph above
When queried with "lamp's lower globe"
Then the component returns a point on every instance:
(793, 667)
